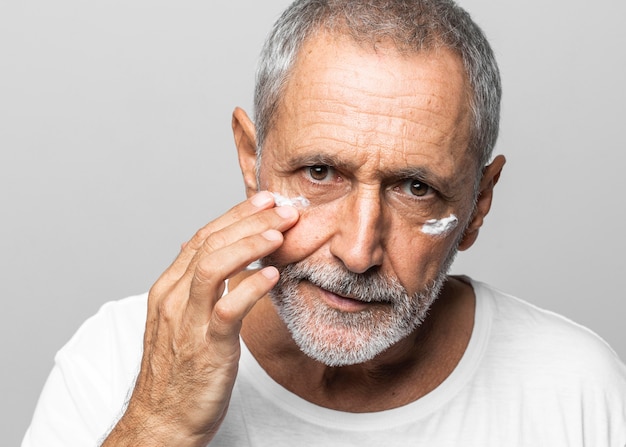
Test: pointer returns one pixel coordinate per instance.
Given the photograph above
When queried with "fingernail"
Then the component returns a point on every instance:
(270, 272)
(272, 235)
(262, 199)
(288, 212)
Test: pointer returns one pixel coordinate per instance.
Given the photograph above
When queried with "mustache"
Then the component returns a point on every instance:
(367, 287)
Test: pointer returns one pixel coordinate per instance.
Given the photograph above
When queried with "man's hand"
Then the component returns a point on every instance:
(191, 343)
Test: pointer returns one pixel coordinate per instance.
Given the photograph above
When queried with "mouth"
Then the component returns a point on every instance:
(340, 302)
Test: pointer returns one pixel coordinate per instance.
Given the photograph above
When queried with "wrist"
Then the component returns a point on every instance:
(140, 429)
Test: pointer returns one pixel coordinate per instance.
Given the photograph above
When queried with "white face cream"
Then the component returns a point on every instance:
(298, 202)
(436, 227)
(280, 200)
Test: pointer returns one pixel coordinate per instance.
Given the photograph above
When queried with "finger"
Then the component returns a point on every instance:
(166, 285)
(215, 269)
(229, 311)
(211, 272)
(259, 202)
(229, 251)
(280, 218)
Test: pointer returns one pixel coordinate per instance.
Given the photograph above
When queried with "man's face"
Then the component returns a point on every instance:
(377, 142)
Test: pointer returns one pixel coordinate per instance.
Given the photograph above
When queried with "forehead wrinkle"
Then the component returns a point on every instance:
(385, 115)
(364, 128)
(402, 111)
(362, 99)
(323, 123)
(339, 79)
(341, 93)
(325, 143)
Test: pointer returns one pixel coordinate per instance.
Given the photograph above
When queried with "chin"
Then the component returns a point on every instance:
(324, 330)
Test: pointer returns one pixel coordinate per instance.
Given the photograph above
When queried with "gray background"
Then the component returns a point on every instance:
(115, 146)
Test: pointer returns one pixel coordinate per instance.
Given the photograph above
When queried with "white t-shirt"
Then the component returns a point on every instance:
(528, 378)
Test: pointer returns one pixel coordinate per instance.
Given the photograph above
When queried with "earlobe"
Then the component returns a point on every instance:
(491, 175)
(244, 133)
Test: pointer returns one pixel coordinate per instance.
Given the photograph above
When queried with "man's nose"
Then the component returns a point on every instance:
(358, 238)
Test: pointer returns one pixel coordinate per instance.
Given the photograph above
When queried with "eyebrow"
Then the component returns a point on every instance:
(319, 159)
(424, 174)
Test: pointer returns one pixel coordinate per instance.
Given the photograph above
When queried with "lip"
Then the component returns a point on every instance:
(342, 303)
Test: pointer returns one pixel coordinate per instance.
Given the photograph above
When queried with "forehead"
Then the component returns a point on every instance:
(374, 103)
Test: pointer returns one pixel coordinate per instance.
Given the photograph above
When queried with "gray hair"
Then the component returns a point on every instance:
(412, 25)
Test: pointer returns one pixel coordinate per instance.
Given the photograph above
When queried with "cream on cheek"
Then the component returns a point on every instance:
(414, 257)
(299, 202)
(284, 252)
(309, 237)
(440, 227)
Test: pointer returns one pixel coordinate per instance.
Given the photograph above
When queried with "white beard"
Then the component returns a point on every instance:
(338, 338)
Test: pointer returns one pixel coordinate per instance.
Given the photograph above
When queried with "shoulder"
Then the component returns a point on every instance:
(106, 350)
(121, 320)
(554, 371)
(546, 341)
(93, 373)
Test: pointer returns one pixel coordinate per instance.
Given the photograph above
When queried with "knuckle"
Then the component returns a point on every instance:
(214, 242)
(255, 242)
(156, 291)
(199, 238)
(208, 272)
(258, 244)
(222, 321)
(169, 309)
(223, 314)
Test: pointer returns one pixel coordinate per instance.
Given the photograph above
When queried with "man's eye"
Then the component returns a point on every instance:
(416, 188)
(319, 172)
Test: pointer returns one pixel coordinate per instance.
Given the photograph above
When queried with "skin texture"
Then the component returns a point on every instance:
(373, 117)
(191, 343)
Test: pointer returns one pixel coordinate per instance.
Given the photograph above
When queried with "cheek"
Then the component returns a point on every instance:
(415, 258)
(313, 230)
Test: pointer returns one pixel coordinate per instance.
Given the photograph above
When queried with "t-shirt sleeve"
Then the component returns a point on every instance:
(90, 382)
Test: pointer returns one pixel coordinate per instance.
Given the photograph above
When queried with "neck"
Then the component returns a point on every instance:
(402, 374)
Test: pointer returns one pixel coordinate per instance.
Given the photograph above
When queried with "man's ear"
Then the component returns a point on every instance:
(491, 175)
(244, 133)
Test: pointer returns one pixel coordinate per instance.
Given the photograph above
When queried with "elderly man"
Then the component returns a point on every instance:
(369, 165)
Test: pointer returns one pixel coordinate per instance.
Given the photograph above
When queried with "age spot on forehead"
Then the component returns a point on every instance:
(438, 227)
